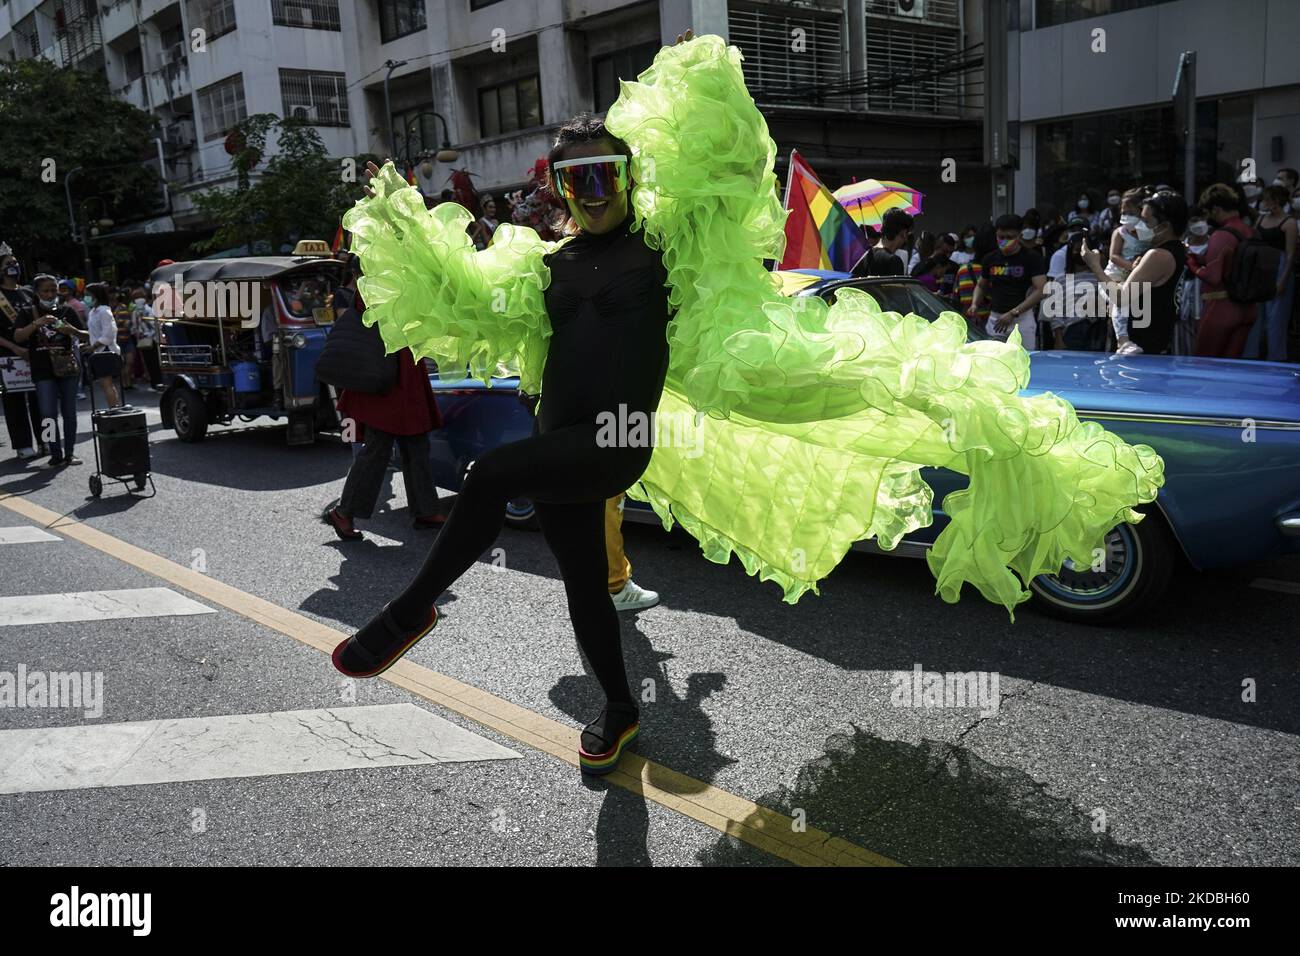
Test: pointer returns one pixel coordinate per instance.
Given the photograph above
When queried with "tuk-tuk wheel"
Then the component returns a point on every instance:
(96, 486)
(189, 415)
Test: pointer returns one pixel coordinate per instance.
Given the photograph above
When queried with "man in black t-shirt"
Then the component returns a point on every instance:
(1012, 278)
(883, 259)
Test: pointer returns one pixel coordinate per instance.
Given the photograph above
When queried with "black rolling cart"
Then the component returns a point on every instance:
(121, 439)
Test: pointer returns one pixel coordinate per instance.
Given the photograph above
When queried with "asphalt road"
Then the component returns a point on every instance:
(1108, 746)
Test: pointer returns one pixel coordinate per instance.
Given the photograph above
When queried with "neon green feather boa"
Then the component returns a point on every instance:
(819, 418)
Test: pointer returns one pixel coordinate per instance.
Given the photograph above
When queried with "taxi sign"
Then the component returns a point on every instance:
(312, 247)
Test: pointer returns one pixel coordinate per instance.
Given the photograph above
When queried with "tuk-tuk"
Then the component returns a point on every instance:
(239, 338)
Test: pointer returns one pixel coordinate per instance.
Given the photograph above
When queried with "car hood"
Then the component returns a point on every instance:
(1169, 385)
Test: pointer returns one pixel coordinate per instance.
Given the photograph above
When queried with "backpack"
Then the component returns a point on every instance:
(354, 358)
(1255, 266)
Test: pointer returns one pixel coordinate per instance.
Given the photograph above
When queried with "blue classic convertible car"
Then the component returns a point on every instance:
(1229, 433)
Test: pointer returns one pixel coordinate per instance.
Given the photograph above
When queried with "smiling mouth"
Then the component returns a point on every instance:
(595, 206)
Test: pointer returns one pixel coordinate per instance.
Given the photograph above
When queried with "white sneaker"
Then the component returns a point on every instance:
(634, 598)
(1129, 348)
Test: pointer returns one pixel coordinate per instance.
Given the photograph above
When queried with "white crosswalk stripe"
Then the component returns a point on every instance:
(25, 534)
(27, 609)
(243, 745)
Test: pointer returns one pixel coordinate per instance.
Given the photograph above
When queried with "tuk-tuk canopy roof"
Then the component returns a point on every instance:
(247, 269)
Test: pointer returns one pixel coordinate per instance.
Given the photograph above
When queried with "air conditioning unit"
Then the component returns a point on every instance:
(179, 135)
(910, 8)
(300, 111)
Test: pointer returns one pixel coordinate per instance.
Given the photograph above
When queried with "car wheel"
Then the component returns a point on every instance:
(521, 514)
(1132, 575)
(189, 415)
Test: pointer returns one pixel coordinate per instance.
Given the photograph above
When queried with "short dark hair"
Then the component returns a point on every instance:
(1009, 221)
(1279, 194)
(1295, 176)
(1169, 207)
(894, 222)
(1221, 196)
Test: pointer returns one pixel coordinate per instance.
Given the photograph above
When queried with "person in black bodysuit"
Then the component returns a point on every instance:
(608, 306)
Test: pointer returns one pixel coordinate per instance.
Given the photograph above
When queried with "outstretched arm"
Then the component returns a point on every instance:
(429, 290)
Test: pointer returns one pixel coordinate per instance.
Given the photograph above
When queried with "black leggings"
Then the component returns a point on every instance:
(568, 477)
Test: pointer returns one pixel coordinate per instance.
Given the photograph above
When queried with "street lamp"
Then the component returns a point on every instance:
(388, 109)
(445, 153)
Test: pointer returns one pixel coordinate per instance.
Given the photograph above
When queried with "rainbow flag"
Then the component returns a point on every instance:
(819, 233)
(337, 244)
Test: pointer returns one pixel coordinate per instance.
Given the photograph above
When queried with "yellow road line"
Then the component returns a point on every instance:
(723, 811)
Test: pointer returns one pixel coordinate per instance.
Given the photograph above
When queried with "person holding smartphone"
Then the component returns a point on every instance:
(50, 334)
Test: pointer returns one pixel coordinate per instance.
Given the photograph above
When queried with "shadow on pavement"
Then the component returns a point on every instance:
(936, 804)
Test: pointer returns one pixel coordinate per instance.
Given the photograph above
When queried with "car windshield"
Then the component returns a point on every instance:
(904, 297)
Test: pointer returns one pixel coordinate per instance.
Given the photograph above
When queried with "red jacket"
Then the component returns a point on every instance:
(408, 408)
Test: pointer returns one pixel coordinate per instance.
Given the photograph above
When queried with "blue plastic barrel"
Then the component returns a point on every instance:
(248, 378)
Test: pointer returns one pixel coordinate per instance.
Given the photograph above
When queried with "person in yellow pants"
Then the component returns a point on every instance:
(625, 593)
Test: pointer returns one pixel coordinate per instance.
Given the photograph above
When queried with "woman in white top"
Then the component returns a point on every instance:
(105, 354)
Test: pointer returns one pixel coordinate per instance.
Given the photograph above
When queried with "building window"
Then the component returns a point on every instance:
(134, 63)
(306, 14)
(1050, 13)
(627, 64)
(319, 99)
(415, 130)
(509, 106)
(774, 71)
(397, 18)
(1124, 148)
(216, 17)
(222, 106)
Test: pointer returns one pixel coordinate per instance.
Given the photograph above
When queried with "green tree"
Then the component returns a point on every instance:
(301, 193)
(51, 121)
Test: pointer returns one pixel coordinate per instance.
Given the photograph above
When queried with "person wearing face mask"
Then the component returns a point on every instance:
(1277, 227)
(1153, 281)
(52, 337)
(1287, 178)
(1224, 324)
(1129, 240)
(1189, 292)
(1108, 218)
(1013, 279)
(145, 330)
(964, 249)
(1252, 189)
(22, 410)
(1058, 265)
(1083, 207)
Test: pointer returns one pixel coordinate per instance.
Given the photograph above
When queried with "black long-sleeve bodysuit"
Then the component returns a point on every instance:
(608, 306)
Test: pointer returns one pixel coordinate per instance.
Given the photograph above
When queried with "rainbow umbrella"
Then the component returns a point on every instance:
(868, 201)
